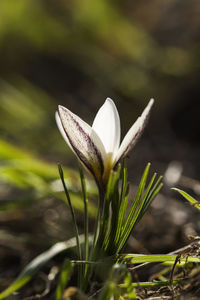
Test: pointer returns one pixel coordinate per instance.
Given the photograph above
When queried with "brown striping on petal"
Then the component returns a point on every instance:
(82, 144)
(92, 146)
(136, 136)
(133, 142)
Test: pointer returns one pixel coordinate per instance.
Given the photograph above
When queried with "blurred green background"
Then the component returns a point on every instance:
(77, 53)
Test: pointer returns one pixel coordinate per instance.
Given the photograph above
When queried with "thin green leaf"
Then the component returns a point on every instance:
(80, 271)
(71, 210)
(130, 290)
(123, 204)
(149, 197)
(64, 277)
(130, 219)
(124, 181)
(111, 285)
(115, 205)
(105, 220)
(85, 200)
(153, 284)
(108, 291)
(137, 198)
(152, 193)
(188, 197)
(141, 205)
(121, 218)
(37, 263)
(140, 258)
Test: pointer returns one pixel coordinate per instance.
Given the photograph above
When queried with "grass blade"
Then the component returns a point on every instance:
(188, 197)
(85, 200)
(115, 205)
(64, 277)
(123, 204)
(122, 212)
(105, 221)
(141, 258)
(130, 220)
(150, 194)
(37, 263)
(153, 284)
(80, 272)
(71, 210)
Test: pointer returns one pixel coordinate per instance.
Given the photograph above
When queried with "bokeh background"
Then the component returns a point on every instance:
(77, 53)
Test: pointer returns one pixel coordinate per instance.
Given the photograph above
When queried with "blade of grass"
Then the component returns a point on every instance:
(152, 193)
(110, 288)
(80, 271)
(140, 258)
(137, 198)
(37, 263)
(71, 210)
(64, 277)
(124, 181)
(122, 213)
(153, 284)
(86, 250)
(83, 184)
(149, 197)
(142, 204)
(130, 219)
(188, 197)
(115, 205)
(105, 220)
(123, 204)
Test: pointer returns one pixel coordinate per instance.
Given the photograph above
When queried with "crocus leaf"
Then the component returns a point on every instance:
(188, 197)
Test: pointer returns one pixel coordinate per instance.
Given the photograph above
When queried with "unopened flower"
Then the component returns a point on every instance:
(98, 147)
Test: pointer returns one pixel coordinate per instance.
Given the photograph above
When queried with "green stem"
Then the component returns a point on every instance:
(83, 185)
(94, 250)
(86, 244)
(152, 284)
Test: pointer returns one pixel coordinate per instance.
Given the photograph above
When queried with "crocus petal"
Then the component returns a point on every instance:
(89, 150)
(134, 133)
(60, 127)
(107, 125)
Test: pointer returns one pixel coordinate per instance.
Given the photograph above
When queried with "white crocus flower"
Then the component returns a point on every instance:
(98, 147)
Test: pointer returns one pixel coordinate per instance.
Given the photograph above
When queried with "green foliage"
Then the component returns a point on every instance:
(32, 268)
(193, 201)
(114, 228)
(27, 172)
(64, 277)
(119, 282)
(16, 18)
(110, 237)
(111, 288)
(79, 252)
(140, 258)
(101, 39)
(116, 223)
(102, 42)
(27, 115)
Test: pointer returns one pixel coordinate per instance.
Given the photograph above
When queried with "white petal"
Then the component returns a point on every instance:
(134, 133)
(60, 127)
(107, 125)
(84, 141)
